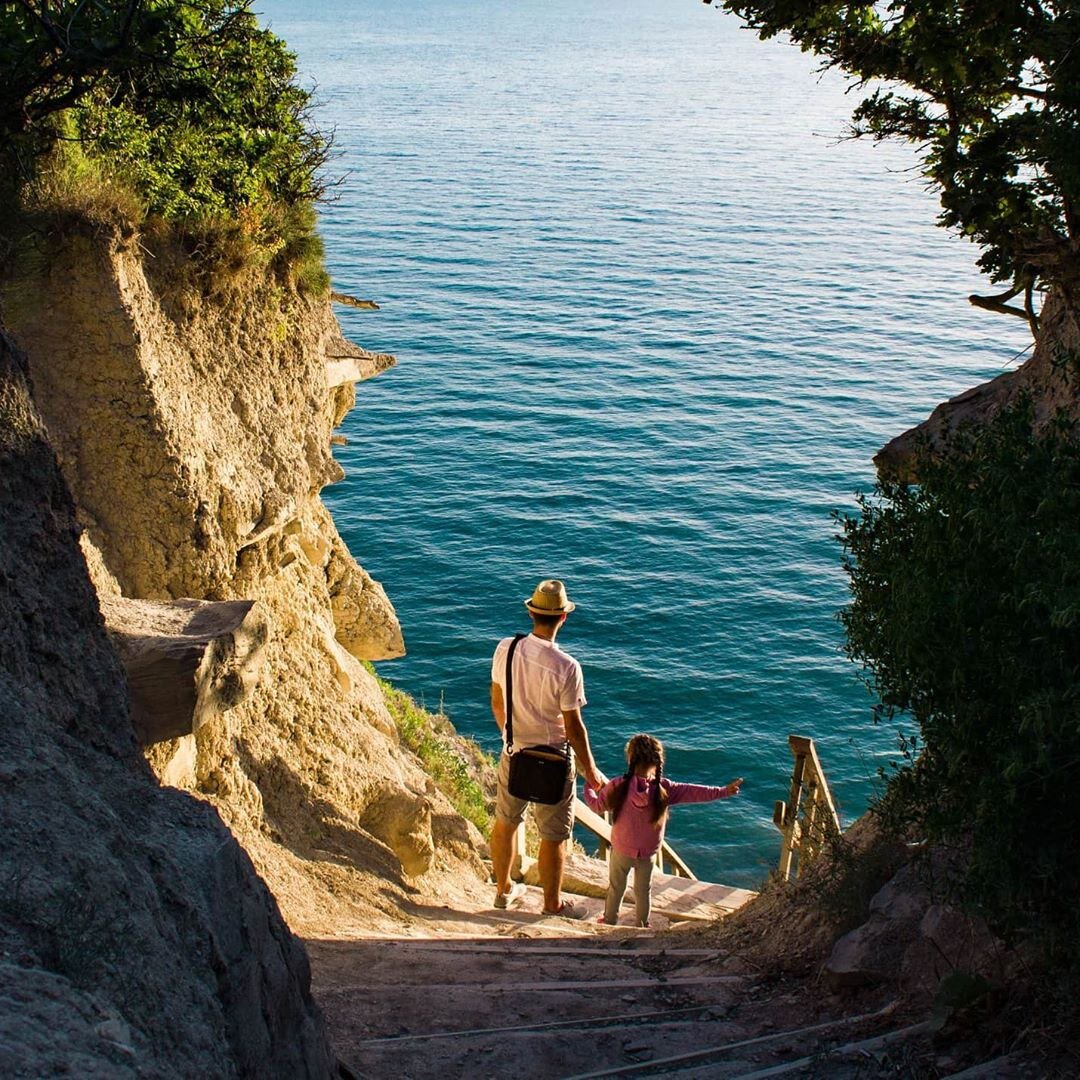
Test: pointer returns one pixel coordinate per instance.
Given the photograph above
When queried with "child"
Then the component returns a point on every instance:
(639, 803)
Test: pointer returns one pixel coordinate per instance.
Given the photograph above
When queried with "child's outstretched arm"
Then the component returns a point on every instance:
(696, 793)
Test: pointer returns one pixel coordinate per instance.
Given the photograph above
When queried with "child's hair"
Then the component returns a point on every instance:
(641, 750)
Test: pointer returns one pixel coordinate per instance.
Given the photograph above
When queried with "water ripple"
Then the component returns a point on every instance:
(652, 326)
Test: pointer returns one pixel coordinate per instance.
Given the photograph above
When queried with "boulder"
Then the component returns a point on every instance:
(873, 953)
(136, 938)
(186, 661)
(401, 819)
(911, 940)
(364, 619)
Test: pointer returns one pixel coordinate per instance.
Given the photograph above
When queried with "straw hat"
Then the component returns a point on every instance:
(549, 598)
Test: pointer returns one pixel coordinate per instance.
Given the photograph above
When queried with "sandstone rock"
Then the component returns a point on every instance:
(348, 363)
(186, 662)
(123, 901)
(459, 836)
(364, 620)
(195, 437)
(174, 761)
(402, 820)
(582, 875)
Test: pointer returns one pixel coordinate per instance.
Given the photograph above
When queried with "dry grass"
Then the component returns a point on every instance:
(214, 255)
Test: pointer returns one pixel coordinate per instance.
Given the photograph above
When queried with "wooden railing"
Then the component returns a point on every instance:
(600, 827)
(808, 820)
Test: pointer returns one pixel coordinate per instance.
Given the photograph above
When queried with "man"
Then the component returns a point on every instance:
(549, 692)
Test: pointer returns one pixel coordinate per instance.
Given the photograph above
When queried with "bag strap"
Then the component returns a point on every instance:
(510, 693)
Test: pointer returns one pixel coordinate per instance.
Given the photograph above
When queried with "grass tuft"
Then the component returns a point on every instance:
(72, 191)
(451, 760)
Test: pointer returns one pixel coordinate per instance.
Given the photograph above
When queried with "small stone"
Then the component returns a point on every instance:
(114, 1029)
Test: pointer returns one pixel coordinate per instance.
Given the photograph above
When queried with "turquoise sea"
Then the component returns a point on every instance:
(653, 317)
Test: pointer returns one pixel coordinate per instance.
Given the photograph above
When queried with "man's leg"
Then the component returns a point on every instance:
(502, 852)
(555, 823)
(508, 815)
(550, 867)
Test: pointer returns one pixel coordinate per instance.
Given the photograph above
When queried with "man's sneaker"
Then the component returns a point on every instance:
(569, 910)
(505, 899)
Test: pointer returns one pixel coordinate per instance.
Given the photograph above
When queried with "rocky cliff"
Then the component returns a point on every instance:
(135, 937)
(1050, 378)
(192, 421)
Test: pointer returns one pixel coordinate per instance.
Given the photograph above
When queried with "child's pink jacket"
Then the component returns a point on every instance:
(634, 833)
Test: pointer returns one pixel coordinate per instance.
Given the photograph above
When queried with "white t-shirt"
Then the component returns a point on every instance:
(546, 681)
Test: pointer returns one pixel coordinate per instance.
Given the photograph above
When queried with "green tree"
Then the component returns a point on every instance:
(989, 92)
(966, 613)
(51, 54)
(190, 101)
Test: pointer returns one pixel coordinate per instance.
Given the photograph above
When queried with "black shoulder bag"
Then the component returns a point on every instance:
(537, 773)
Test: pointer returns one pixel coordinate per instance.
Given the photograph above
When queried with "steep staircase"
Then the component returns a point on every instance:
(517, 994)
(474, 992)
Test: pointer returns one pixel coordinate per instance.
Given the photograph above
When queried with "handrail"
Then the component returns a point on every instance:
(808, 820)
(599, 826)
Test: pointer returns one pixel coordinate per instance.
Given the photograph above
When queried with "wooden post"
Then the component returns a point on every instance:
(787, 844)
(603, 846)
(810, 847)
(809, 818)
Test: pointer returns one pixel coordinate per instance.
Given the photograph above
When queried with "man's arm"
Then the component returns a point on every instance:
(578, 738)
(498, 706)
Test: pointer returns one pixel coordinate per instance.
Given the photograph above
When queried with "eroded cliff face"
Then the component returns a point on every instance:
(1050, 378)
(195, 435)
(135, 937)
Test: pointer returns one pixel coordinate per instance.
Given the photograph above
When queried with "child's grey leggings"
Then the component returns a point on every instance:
(618, 868)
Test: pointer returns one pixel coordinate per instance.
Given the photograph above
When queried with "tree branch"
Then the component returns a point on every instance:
(997, 303)
(1027, 91)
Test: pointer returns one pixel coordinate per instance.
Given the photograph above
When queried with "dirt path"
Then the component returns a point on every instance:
(470, 992)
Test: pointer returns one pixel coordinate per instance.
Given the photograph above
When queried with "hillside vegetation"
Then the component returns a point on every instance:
(183, 118)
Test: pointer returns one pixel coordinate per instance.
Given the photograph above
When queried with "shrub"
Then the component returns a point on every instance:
(965, 613)
(189, 106)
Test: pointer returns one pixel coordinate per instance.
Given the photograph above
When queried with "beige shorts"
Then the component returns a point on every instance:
(554, 823)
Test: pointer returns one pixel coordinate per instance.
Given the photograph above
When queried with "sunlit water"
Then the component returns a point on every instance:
(652, 319)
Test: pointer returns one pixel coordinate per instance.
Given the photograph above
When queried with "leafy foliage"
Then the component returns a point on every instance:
(221, 125)
(989, 91)
(966, 613)
(189, 103)
(51, 54)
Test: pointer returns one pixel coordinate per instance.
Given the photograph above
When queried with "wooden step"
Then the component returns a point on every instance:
(681, 898)
(675, 898)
